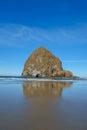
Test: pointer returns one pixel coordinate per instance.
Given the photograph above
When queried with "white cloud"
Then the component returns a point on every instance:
(21, 36)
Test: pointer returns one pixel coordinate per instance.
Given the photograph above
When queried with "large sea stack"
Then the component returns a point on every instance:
(42, 63)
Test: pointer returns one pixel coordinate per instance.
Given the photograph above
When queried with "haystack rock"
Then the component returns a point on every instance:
(42, 63)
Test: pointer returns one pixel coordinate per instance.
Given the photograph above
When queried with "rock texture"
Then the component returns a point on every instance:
(42, 63)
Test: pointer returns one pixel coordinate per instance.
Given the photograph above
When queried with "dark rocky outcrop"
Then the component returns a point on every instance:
(42, 63)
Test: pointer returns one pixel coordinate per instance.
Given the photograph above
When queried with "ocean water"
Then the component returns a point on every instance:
(42, 104)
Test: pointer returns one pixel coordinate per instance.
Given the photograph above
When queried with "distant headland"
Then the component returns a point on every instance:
(43, 64)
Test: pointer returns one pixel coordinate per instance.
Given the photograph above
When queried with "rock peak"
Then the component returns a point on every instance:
(42, 63)
(42, 48)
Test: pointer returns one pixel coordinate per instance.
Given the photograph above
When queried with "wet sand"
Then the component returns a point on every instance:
(43, 105)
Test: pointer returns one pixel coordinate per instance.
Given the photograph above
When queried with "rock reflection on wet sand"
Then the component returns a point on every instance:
(38, 106)
(44, 89)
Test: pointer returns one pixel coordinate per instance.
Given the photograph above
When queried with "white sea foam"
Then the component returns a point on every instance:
(14, 79)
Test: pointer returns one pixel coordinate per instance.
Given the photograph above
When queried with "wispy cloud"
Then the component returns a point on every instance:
(21, 36)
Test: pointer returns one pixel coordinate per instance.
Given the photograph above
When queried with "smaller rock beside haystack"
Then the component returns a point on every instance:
(42, 63)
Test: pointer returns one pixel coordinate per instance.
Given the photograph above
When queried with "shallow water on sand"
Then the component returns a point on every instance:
(43, 105)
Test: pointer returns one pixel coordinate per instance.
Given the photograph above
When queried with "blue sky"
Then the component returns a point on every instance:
(60, 26)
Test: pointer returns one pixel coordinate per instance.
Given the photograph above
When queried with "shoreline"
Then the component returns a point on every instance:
(41, 79)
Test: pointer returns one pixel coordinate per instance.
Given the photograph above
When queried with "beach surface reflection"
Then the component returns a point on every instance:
(44, 89)
(43, 105)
